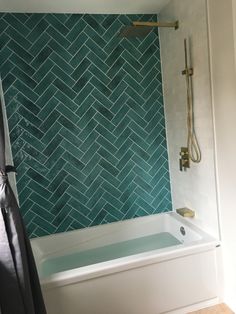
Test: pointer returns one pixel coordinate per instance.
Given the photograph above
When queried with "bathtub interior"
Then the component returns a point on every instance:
(116, 240)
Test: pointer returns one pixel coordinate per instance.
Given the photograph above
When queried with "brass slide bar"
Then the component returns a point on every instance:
(157, 24)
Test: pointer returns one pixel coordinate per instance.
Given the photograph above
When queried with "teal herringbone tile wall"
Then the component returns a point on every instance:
(86, 119)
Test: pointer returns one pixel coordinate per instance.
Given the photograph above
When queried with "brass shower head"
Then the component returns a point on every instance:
(141, 29)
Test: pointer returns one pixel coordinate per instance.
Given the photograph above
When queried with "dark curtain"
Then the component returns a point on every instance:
(20, 291)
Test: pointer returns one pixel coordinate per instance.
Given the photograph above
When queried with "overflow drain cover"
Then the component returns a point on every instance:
(182, 230)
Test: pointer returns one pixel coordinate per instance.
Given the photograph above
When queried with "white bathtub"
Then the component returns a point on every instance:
(175, 279)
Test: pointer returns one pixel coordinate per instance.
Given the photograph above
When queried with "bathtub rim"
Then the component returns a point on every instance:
(84, 273)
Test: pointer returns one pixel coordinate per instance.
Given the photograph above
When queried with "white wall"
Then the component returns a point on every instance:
(83, 6)
(195, 188)
(222, 39)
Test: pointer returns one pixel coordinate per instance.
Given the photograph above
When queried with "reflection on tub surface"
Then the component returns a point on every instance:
(108, 252)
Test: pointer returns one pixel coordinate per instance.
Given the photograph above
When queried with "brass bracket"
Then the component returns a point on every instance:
(188, 72)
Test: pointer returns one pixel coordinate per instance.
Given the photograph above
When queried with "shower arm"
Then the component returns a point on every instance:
(174, 25)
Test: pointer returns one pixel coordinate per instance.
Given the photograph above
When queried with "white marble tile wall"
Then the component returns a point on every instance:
(195, 188)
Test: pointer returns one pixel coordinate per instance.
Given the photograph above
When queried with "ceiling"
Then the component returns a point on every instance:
(83, 6)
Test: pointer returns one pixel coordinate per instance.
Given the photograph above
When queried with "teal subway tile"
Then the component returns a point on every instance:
(76, 194)
(114, 55)
(124, 160)
(4, 39)
(63, 224)
(20, 51)
(25, 90)
(3, 24)
(88, 129)
(102, 88)
(18, 37)
(76, 25)
(37, 29)
(58, 186)
(119, 115)
(91, 164)
(140, 181)
(49, 134)
(43, 203)
(76, 214)
(115, 67)
(131, 212)
(134, 62)
(123, 173)
(73, 181)
(122, 126)
(63, 53)
(55, 168)
(103, 111)
(25, 67)
(139, 141)
(84, 93)
(82, 82)
(49, 149)
(86, 119)
(30, 128)
(108, 156)
(106, 144)
(116, 81)
(146, 93)
(72, 149)
(74, 172)
(70, 137)
(94, 37)
(117, 91)
(105, 133)
(58, 72)
(44, 224)
(101, 119)
(128, 198)
(8, 81)
(78, 57)
(63, 98)
(73, 160)
(33, 20)
(98, 62)
(33, 141)
(22, 76)
(96, 208)
(113, 211)
(16, 24)
(34, 186)
(68, 125)
(52, 20)
(95, 202)
(101, 98)
(81, 68)
(99, 218)
(79, 41)
(58, 37)
(109, 167)
(73, 20)
(99, 74)
(89, 141)
(127, 180)
(91, 21)
(92, 44)
(5, 68)
(34, 175)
